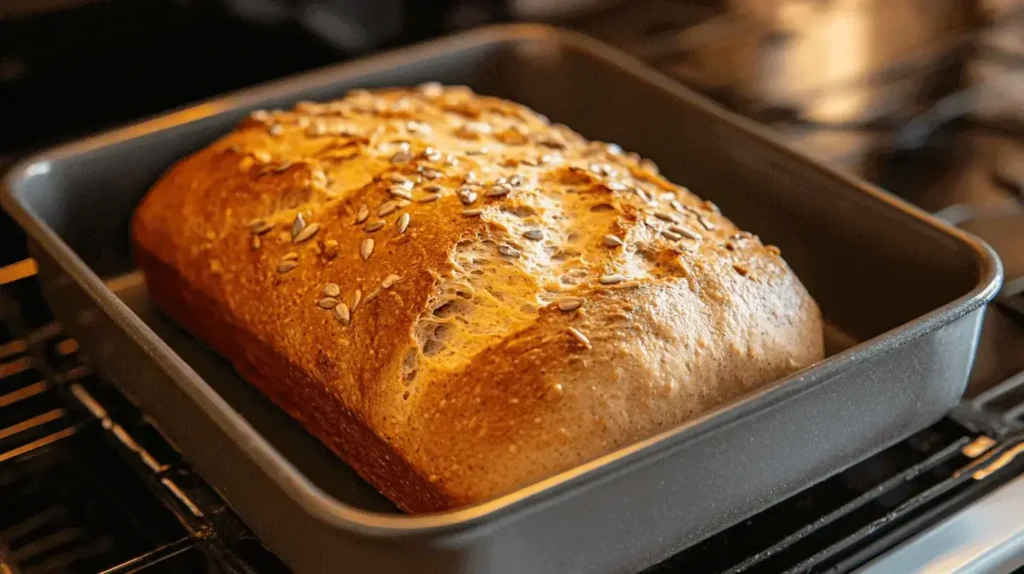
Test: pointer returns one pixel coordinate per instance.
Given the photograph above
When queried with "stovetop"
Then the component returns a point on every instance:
(917, 97)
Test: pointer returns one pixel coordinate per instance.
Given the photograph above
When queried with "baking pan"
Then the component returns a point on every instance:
(910, 288)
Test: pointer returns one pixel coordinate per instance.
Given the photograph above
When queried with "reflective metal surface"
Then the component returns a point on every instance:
(984, 538)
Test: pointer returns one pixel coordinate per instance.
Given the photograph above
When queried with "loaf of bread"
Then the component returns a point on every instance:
(459, 297)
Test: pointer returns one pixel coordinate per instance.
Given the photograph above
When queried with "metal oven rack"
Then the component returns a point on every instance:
(88, 485)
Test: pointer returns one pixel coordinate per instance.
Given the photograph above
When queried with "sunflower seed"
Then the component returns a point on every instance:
(706, 223)
(331, 290)
(470, 177)
(646, 197)
(676, 205)
(533, 234)
(276, 130)
(328, 303)
(298, 225)
(467, 196)
(401, 157)
(330, 249)
(552, 142)
(498, 191)
(342, 313)
(286, 266)
(256, 243)
(364, 212)
(431, 197)
(516, 180)
(387, 208)
(397, 178)
(666, 217)
(259, 226)
(671, 235)
(612, 241)
(390, 280)
(472, 212)
(477, 127)
(431, 89)
(687, 233)
(418, 127)
(433, 188)
(616, 186)
(612, 279)
(508, 251)
(371, 295)
(262, 156)
(373, 226)
(432, 154)
(569, 304)
(356, 298)
(400, 192)
(290, 256)
(576, 334)
(403, 222)
(366, 249)
(431, 173)
(306, 233)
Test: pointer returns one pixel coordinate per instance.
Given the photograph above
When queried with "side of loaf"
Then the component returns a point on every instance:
(458, 297)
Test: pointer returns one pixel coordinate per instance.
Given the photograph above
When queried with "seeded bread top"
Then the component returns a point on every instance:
(495, 297)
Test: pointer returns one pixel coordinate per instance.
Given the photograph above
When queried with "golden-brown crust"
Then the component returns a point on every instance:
(589, 305)
(334, 424)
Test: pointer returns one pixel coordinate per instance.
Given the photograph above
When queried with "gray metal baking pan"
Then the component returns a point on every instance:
(910, 288)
